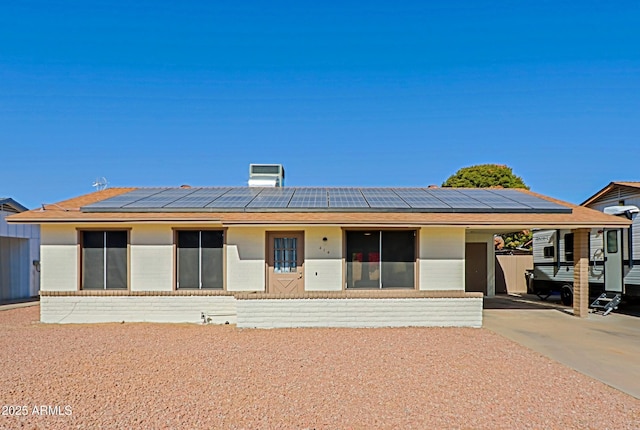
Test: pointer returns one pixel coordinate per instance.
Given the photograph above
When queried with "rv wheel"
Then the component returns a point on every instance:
(566, 295)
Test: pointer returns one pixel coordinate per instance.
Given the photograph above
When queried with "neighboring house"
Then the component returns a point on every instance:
(19, 255)
(285, 257)
(614, 252)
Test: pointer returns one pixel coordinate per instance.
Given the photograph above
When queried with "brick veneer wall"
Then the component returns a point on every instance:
(262, 310)
(425, 312)
(174, 309)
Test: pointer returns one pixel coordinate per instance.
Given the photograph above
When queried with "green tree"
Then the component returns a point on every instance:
(485, 175)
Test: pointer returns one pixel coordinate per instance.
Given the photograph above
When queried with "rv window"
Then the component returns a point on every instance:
(548, 251)
(568, 247)
(612, 241)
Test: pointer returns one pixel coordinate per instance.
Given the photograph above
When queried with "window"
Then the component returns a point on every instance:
(381, 259)
(104, 260)
(568, 247)
(199, 258)
(548, 251)
(285, 254)
(612, 241)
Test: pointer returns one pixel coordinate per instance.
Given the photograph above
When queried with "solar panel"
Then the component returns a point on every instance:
(235, 198)
(495, 201)
(383, 198)
(124, 199)
(346, 198)
(417, 198)
(528, 199)
(309, 198)
(160, 199)
(272, 198)
(456, 200)
(199, 198)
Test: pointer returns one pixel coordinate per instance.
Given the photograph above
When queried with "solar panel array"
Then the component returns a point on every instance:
(318, 199)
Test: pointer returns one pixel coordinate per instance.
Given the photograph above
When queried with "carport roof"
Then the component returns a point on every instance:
(570, 216)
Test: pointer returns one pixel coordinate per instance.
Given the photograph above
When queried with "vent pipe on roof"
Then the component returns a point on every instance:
(266, 175)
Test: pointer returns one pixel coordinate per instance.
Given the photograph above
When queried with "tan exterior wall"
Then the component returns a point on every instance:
(246, 259)
(442, 258)
(514, 268)
(59, 258)
(151, 258)
(323, 259)
(151, 264)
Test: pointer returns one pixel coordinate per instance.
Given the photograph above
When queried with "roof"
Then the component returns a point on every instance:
(15, 206)
(611, 186)
(69, 211)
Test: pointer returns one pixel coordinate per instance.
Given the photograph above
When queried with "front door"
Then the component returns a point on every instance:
(285, 256)
(475, 273)
(612, 261)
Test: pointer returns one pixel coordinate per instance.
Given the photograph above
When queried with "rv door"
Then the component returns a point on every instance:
(612, 261)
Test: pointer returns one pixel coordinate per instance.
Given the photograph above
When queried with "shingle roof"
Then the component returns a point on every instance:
(68, 211)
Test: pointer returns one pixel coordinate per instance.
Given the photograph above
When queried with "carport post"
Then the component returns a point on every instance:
(581, 272)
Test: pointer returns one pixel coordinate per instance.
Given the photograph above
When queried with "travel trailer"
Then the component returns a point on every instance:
(614, 254)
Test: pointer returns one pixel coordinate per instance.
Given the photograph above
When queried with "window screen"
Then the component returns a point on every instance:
(104, 260)
(398, 256)
(199, 258)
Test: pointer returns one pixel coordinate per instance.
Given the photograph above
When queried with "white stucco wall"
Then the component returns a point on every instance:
(59, 258)
(442, 258)
(323, 259)
(151, 258)
(246, 259)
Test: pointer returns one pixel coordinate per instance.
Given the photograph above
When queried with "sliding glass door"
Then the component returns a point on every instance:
(381, 258)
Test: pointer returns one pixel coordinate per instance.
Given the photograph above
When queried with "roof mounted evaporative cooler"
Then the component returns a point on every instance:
(266, 175)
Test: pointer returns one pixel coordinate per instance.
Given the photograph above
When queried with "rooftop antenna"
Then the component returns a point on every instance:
(100, 183)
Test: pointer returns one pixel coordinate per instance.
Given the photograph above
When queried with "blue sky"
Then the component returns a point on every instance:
(374, 93)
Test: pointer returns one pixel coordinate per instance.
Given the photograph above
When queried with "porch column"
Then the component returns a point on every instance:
(581, 272)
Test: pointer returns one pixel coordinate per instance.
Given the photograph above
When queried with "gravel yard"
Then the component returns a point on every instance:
(191, 376)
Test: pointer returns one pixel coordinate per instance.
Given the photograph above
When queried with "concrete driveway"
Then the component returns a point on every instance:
(606, 348)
